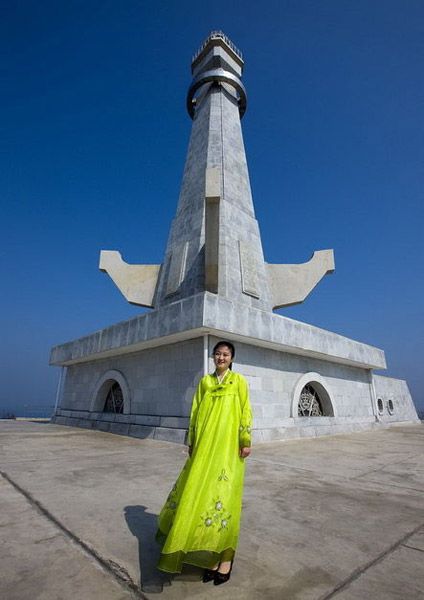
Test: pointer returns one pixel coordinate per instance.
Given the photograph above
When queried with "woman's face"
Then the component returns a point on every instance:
(222, 358)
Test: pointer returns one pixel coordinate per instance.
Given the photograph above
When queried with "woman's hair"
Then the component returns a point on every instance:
(229, 346)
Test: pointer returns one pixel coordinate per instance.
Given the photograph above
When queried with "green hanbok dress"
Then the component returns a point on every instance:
(200, 522)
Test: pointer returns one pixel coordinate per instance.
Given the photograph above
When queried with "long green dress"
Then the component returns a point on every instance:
(200, 521)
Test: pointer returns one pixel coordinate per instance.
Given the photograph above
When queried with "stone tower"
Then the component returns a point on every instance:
(138, 377)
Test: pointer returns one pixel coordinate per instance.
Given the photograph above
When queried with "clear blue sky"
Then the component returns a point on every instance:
(94, 134)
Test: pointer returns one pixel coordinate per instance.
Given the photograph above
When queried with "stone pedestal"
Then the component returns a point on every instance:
(158, 358)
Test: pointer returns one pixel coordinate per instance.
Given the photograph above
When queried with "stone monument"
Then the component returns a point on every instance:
(138, 377)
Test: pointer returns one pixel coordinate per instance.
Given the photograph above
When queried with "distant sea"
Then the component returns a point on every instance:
(40, 411)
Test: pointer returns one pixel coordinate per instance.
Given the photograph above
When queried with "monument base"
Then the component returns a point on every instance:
(156, 364)
(129, 426)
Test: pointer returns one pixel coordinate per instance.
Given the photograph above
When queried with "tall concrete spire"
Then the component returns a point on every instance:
(214, 243)
(215, 226)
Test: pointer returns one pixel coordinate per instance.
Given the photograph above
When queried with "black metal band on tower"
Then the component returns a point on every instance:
(217, 76)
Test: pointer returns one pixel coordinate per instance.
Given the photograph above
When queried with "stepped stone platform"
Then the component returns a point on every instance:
(333, 517)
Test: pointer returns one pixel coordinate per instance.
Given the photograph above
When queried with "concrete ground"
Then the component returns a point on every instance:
(335, 517)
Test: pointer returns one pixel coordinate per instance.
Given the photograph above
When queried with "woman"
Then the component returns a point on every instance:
(199, 524)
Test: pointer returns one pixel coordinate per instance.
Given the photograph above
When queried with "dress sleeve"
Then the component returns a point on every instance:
(246, 415)
(193, 415)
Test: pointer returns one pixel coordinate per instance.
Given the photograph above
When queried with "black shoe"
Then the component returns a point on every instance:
(208, 575)
(222, 577)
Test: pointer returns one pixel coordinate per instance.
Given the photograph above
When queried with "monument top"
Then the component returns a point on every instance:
(217, 38)
(214, 244)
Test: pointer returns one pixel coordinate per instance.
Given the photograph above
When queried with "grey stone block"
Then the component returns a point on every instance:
(108, 417)
(85, 423)
(170, 435)
(123, 418)
(96, 416)
(103, 426)
(81, 414)
(141, 431)
(175, 422)
(147, 420)
(119, 428)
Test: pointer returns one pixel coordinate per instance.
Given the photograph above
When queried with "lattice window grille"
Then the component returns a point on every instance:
(114, 400)
(309, 403)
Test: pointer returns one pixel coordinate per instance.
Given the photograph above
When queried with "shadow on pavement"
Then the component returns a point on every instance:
(143, 526)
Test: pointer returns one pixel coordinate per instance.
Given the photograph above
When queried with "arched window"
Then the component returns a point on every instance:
(310, 404)
(111, 394)
(390, 407)
(312, 397)
(380, 406)
(114, 402)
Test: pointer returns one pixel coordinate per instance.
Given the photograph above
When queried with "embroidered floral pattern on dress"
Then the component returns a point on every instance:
(245, 434)
(223, 476)
(217, 516)
(218, 504)
(224, 521)
(208, 519)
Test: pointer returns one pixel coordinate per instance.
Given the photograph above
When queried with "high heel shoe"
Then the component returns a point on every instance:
(222, 577)
(209, 574)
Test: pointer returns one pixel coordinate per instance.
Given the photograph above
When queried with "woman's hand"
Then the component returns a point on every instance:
(245, 452)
